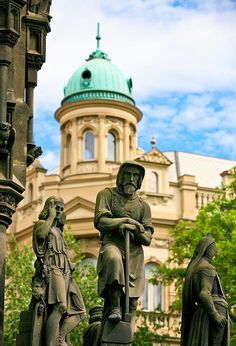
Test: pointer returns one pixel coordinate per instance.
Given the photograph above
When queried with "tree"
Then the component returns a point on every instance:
(219, 219)
(19, 273)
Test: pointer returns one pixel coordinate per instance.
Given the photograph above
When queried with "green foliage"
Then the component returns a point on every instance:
(19, 273)
(148, 326)
(219, 219)
(86, 277)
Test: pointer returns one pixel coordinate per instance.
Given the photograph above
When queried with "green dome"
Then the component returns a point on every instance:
(98, 78)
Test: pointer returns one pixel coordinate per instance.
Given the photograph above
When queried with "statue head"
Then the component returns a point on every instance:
(130, 177)
(59, 206)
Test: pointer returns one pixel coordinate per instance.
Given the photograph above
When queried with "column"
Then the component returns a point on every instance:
(126, 149)
(101, 145)
(74, 146)
(188, 189)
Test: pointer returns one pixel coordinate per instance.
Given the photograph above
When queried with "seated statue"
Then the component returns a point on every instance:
(205, 316)
(53, 288)
(119, 209)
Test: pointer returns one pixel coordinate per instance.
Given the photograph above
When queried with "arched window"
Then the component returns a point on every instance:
(88, 264)
(152, 297)
(111, 147)
(30, 193)
(68, 150)
(88, 145)
(153, 182)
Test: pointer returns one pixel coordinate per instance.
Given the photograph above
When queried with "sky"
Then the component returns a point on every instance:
(180, 54)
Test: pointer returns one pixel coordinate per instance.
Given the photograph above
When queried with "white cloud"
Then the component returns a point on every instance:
(170, 48)
(50, 159)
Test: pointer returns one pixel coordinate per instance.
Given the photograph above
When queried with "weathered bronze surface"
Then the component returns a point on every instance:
(56, 299)
(117, 210)
(205, 316)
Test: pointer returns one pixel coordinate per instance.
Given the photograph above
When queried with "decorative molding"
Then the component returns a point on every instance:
(97, 94)
(160, 243)
(155, 198)
(33, 152)
(155, 156)
(35, 60)
(10, 196)
(8, 37)
(7, 137)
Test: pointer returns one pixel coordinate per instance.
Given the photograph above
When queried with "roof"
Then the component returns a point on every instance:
(98, 78)
(206, 169)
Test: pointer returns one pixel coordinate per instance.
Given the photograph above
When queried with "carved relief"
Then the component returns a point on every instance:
(155, 156)
(160, 243)
(8, 37)
(40, 6)
(7, 198)
(87, 167)
(7, 137)
(35, 60)
(112, 120)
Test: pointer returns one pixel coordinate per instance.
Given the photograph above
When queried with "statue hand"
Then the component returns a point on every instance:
(126, 226)
(52, 210)
(219, 319)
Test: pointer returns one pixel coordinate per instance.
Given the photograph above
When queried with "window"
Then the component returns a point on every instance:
(30, 193)
(111, 147)
(68, 150)
(89, 145)
(153, 182)
(88, 264)
(152, 297)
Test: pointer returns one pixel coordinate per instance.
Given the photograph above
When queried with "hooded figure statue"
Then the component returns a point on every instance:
(205, 318)
(117, 209)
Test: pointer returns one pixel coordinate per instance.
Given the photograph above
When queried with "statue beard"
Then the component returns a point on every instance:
(129, 189)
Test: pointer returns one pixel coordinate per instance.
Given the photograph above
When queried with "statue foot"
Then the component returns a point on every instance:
(62, 342)
(115, 315)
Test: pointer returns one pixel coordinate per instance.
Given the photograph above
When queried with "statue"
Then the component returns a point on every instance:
(119, 209)
(92, 334)
(40, 6)
(53, 287)
(205, 317)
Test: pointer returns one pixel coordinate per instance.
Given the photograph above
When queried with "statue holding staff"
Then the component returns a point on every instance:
(119, 209)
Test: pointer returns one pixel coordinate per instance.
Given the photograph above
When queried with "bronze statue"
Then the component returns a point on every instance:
(118, 209)
(53, 286)
(205, 317)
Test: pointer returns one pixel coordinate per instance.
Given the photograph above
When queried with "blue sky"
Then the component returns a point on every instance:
(181, 56)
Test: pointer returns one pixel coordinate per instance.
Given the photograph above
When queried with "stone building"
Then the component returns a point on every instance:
(98, 120)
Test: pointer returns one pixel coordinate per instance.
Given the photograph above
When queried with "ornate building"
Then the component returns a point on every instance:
(98, 120)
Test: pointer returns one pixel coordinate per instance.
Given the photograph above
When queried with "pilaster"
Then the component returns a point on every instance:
(188, 188)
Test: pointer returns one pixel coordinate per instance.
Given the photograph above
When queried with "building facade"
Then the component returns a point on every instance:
(98, 119)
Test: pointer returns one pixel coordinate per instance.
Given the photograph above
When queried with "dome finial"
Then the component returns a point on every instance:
(98, 53)
(98, 37)
(153, 141)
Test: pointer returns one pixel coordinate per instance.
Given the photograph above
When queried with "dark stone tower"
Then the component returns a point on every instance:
(23, 29)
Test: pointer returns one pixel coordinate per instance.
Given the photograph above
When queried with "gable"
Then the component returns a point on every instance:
(155, 156)
(79, 208)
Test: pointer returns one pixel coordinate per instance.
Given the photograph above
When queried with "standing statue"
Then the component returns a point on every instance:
(53, 284)
(205, 317)
(119, 209)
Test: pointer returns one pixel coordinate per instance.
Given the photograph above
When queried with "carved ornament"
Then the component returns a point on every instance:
(9, 37)
(7, 138)
(35, 60)
(155, 156)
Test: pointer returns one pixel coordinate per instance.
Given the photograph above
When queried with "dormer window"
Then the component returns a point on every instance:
(86, 78)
